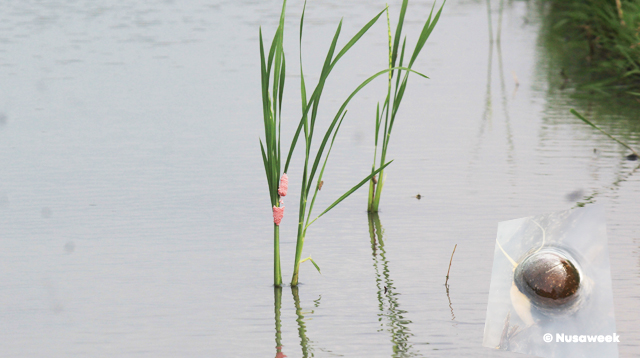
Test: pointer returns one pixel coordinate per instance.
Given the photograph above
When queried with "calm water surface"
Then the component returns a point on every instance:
(134, 215)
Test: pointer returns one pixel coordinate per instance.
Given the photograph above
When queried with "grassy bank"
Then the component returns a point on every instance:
(597, 41)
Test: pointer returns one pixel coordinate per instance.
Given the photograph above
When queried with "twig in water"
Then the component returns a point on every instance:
(454, 251)
(453, 317)
(515, 78)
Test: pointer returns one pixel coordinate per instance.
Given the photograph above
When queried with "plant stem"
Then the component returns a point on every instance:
(277, 272)
(375, 192)
(372, 188)
(299, 245)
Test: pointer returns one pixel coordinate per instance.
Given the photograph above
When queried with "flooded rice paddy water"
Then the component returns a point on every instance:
(134, 213)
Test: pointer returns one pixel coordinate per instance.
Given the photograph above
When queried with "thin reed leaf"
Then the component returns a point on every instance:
(265, 160)
(326, 69)
(400, 63)
(575, 113)
(335, 133)
(315, 96)
(303, 87)
(281, 86)
(342, 108)
(426, 32)
(378, 118)
(313, 262)
(349, 192)
(396, 40)
(356, 37)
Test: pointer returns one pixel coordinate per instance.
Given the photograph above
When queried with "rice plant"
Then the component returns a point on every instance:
(393, 99)
(307, 125)
(272, 115)
(273, 71)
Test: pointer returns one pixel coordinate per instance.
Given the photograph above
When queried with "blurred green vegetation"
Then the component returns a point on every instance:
(596, 42)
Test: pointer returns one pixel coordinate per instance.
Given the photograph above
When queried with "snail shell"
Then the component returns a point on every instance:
(551, 279)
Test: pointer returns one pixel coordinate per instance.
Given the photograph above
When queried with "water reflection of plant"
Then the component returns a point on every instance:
(388, 303)
(277, 293)
(305, 343)
(307, 349)
(615, 185)
(487, 115)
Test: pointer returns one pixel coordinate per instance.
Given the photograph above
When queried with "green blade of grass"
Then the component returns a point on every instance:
(400, 63)
(396, 40)
(426, 32)
(318, 90)
(303, 87)
(349, 192)
(313, 262)
(281, 89)
(326, 69)
(357, 37)
(265, 160)
(264, 77)
(342, 108)
(313, 101)
(313, 200)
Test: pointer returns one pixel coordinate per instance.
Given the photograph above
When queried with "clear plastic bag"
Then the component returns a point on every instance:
(551, 285)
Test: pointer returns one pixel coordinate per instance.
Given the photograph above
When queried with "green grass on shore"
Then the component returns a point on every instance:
(599, 41)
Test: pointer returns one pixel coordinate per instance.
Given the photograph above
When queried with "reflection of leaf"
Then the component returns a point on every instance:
(302, 329)
(277, 293)
(575, 113)
(590, 199)
(390, 314)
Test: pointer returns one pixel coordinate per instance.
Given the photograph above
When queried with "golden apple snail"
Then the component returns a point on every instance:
(550, 279)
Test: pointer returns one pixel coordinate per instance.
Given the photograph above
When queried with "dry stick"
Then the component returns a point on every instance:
(454, 251)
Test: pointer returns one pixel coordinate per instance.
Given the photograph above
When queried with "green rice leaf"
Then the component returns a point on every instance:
(266, 165)
(281, 86)
(350, 191)
(313, 262)
(426, 32)
(378, 118)
(315, 96)
(396, 40)
(339, 114)
(313, 200)
(326, 69)
(264, 76)
(357, 37)
(400, 63)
